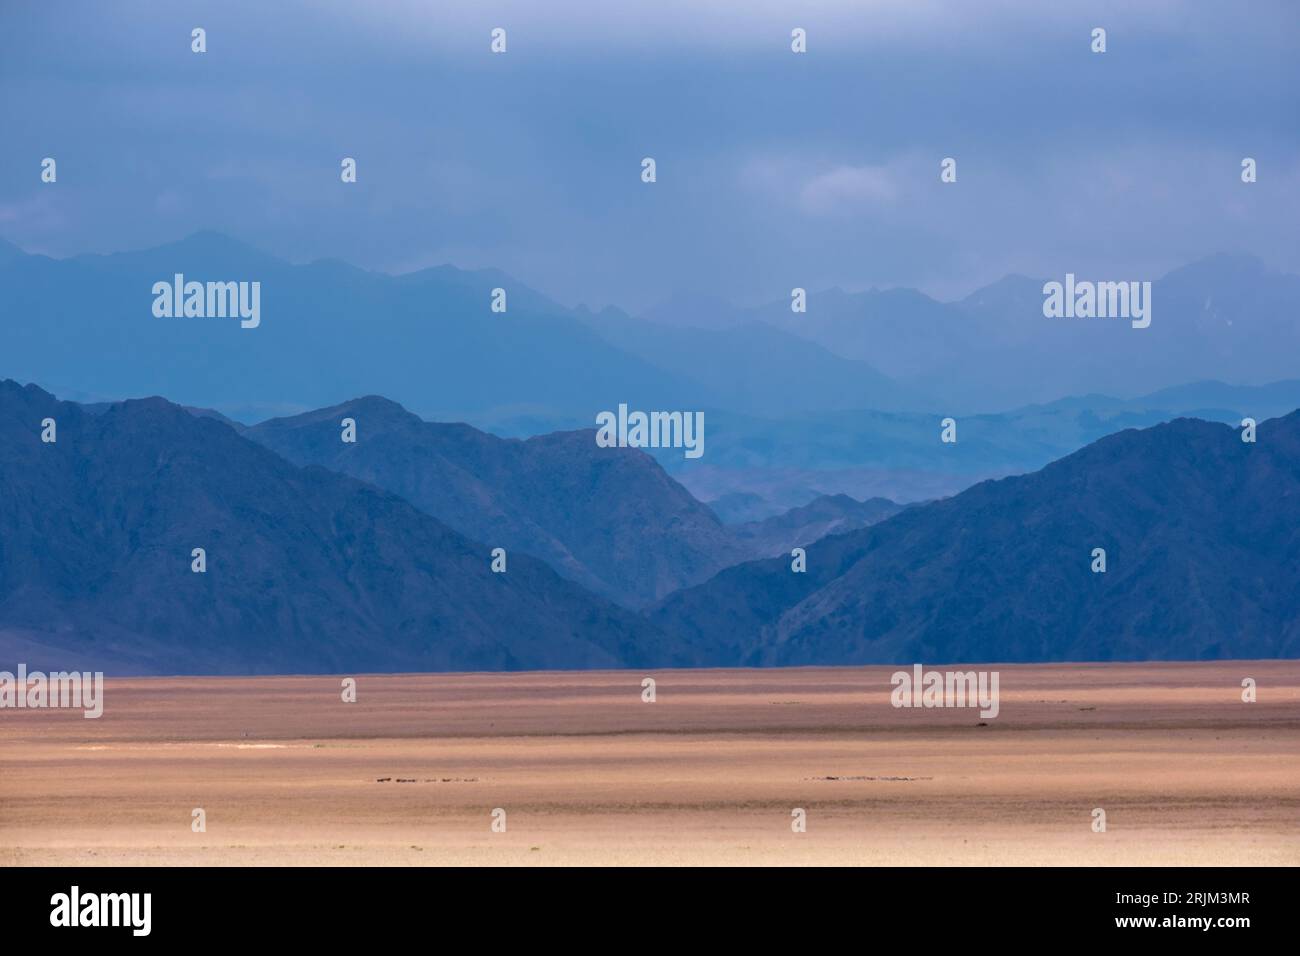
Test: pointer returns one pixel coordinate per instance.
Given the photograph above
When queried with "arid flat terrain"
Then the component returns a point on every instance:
(588, 773)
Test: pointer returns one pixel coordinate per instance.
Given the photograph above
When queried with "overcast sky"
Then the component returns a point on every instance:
(774, 169)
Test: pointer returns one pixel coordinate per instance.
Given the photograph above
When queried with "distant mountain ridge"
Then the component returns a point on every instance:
(312, 571)
(1202, 552)
(308, 571)
(898, 455)
(608, 518)
(842, 399)
(430, 340)
(1224, 316)
(757, 366)
(826, 515)
(327, 329)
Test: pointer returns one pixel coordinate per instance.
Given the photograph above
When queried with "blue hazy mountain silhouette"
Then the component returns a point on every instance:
(313, 571)
(328, 330)
(776, 463)
(824, 515)
(1225, 317)
(608, 518)
(757, 367)
(429, 340)
(307, 570)
(1199, 530)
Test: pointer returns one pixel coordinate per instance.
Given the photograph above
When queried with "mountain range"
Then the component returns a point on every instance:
(328, 330)
(845, 398)
(1202, 551)
(609, 518)
(822, 432)
(431, 341)
(785, 462)
(1224, 317)
(827, 514)
(311, 570)
(307, 570)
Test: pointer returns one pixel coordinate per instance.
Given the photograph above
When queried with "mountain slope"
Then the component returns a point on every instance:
(609, 518)
(430, 340)
(755, 365)
(308, 571)
(1228, 317)
(1202, 542)
(828, 514)
(897, 455)
(327, 328)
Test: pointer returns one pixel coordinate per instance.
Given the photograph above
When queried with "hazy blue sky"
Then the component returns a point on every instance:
(775, 169)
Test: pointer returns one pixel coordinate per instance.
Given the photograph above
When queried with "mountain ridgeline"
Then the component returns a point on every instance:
(609, 518)
(329, 556)
(328, 329)
(307, 570)
(844, 398)
(1201, 533)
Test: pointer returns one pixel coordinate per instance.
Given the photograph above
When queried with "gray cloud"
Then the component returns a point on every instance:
(774, 170)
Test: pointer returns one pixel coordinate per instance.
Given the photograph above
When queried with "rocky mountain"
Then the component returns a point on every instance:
(307, 570)
(1202, 562)
(430, 340)
(828, 514)
(1228, 317)
(608, 518)
(312, 571)
(326, 330)
(755, 366)
(778, 463)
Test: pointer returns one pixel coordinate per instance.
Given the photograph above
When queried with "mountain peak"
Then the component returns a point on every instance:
(373, 412)
(377, 404)
(206, 251)
(1002, 572)
(1010, 288)
(1221, 267)
(641, 534)
(211, 240)
(312, 571)
(11, 390)
(9, 251)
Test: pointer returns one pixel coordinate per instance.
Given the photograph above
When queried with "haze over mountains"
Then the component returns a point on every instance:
(307, 570)
(310, 570)
(786, 462)
(609, 518)
(1223, 317)
(429, 340)
(1202, 550)
(819, 427)
(827, 514)
(843, 399)
(329, 331)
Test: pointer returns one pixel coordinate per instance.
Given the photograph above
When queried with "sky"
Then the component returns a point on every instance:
(774, 169)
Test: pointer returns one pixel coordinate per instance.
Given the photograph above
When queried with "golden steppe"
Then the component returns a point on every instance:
(588, 773)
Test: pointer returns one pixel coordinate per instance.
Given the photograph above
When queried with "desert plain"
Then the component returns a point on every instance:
(587, 773)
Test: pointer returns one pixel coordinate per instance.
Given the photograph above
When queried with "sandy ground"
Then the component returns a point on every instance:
(708, 774)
